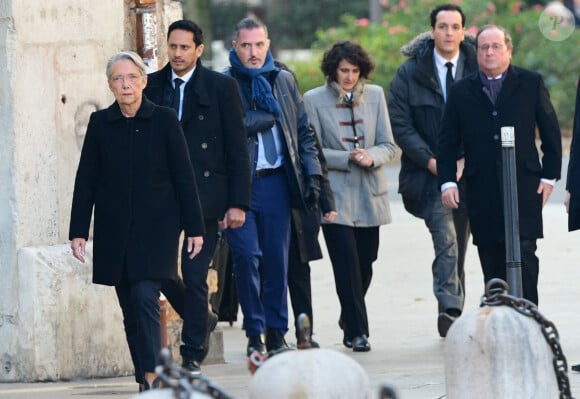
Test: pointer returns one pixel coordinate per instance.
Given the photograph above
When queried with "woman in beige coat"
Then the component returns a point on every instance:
(352, 122)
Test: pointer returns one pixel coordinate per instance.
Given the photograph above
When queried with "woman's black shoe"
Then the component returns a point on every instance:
(346, 341)
(360, 344)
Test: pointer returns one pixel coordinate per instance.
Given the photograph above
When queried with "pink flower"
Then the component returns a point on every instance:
(384, 3)
(403, 4)
(473, 29)
(385, 23)
(396, 29)
(538, 7)
(362, 22)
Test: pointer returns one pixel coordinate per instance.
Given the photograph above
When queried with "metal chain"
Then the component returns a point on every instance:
(496, 295)
(183, 383)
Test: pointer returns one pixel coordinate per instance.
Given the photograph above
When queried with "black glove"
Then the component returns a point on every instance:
(312, 193)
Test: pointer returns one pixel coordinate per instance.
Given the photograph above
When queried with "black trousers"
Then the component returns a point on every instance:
(189, 297)
(462, 231)
(493, 263)
(352, 252)
(299, 285)
(140, 306)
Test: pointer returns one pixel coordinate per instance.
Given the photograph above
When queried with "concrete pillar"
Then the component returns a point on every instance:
(54, 323)
(496, 352)
(311, 373)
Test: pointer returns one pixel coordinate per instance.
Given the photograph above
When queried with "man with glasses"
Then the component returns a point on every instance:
(498, 95)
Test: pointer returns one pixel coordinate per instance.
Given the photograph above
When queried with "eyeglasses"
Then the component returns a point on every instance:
(496, 47)
(131, 79)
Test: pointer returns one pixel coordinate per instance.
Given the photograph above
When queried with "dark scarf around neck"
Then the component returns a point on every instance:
(261, 88)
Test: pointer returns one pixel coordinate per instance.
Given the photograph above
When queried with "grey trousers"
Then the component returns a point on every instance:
(447, 267)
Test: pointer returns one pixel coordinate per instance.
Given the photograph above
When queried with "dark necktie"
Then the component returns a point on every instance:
(269, 147)
(176, 95)
(448, 79)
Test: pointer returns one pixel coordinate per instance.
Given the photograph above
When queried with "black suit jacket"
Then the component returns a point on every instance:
(212, 121)
(470, 119)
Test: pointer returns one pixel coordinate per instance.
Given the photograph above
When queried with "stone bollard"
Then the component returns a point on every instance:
(496, 352)
(312, 373)
(168, 393)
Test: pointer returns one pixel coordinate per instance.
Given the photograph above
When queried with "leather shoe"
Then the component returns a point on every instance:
(255, 344)
(346, 341)
(192, 367)
(156, 384)
(212, 321)
(444, 321)
(575, 367)
(361, 344)
(275, 342)
(314, 344)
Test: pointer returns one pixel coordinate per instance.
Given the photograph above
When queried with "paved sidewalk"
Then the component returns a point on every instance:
(406, 349)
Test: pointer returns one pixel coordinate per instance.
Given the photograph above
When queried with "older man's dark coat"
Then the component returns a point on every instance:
(573, 176)
(137, 175)
(471, 119)
(211, 121)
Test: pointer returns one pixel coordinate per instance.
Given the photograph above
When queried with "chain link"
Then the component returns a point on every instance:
(183, 383)
(496, 295)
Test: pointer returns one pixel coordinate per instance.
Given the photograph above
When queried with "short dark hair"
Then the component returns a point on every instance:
(349, 51)
(446, 7)
(190, 26)
(248, 23)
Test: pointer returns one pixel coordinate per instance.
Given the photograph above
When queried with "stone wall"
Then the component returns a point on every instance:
(54, 324)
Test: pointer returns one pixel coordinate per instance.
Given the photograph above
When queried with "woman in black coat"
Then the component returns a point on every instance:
(136, 173)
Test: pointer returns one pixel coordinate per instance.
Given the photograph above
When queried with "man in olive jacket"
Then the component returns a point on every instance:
(416, 102)
(210, 110)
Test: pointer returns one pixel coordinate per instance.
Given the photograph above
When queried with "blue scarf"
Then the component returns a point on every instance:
(261, 89)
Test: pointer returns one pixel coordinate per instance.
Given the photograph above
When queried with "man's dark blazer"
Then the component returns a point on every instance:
(470, 119)
(573, 176)
(212, 121)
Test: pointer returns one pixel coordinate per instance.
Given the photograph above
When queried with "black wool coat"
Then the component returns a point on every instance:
(212, 121)
(137, 175)
(470, 119)
(573, 176)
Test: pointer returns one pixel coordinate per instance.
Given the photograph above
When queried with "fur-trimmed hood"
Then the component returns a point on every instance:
(423, 41)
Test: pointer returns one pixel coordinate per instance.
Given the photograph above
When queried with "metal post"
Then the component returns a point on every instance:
(146, 11)
(511, 212)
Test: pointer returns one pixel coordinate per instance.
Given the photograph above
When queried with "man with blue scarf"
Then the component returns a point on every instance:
(286, 174)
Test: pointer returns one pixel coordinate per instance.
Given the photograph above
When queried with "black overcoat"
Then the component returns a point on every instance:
(212, 121)
(470, 119)
(573, 176)
(137, 175)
